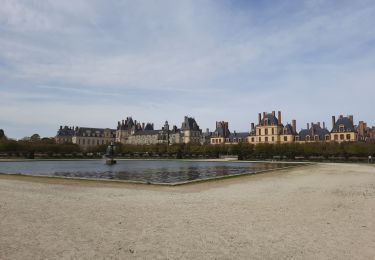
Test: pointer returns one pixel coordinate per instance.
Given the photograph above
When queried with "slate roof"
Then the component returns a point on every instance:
(345, 121)
(190, 124)
(92, 132)
(272, 120)
(315, 129)
(65, 131)
(288, 130)
(221, 132)
(236, 135)
(126, 124)
(149, 126)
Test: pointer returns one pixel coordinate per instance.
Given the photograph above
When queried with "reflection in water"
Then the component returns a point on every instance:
(137, 170)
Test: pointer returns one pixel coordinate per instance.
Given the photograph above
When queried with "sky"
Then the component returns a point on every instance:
(92, 63)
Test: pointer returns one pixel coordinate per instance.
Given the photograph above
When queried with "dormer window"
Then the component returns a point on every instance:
(341, 128)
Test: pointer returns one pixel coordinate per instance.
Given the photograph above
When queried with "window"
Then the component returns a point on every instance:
(83, 141)
(316, 138)
(252, 139)
(88, 142)
(260, 132)
(341, 137)
(273, 131)
(307, 138)
(266, 131)
(266, 139)
(285, 138)
(260, 139)
(273, 138)
(327, 137)
(341, 128)
(348, 137)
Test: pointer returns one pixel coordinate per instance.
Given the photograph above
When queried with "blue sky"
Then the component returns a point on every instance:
(92, 63)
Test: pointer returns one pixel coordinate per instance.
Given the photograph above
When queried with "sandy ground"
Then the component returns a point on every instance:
(325, 211)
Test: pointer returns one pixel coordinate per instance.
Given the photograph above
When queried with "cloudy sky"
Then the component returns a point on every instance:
(92, 63)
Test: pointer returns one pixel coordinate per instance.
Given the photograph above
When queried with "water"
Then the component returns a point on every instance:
(147, 171)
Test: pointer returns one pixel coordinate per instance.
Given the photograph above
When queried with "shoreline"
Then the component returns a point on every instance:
(187, 160)
(192, 182)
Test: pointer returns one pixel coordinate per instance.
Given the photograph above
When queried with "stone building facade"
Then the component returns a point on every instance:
(87, 137)
(271, 130)
(65, 134)
(343, 129)
(190, 131)
(130, 131)
(222, 135)
(313, 133)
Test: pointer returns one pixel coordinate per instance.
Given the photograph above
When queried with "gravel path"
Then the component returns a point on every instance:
(325, 211)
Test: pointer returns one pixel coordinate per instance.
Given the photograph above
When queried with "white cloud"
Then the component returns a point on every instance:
(181, 57)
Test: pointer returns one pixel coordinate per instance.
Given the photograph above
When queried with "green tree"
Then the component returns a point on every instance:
(35, 138)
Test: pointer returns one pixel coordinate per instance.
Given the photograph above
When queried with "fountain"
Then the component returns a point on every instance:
(110, 154)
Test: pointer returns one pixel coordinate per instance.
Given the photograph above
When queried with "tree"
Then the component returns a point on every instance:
(35, 137)
(2, 135)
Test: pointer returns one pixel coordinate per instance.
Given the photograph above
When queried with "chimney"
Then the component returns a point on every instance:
(341, 116)
(60, 127)
(252, 126)
(273, 113)
(259, 118)
(294, 125)
(264, 114)
(308, 126)
(279, 117)
(351, 119)
(324, 125)
(207, 130)
(319, 124)
(333, 121)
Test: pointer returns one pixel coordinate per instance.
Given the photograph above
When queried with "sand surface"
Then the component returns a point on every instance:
(325, 211)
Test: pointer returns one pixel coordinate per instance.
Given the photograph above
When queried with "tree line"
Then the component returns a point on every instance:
(29, 147)
(260, 151)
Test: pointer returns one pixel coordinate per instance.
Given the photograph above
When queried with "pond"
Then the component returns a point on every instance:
(145, 171)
